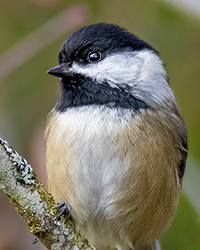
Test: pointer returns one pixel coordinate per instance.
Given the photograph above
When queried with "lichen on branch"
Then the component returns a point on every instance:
(36, 206)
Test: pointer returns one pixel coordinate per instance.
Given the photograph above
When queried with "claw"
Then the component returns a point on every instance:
(35, 240)
(64, 209)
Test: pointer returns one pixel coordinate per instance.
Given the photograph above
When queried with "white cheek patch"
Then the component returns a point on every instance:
(115, 69)
(142, 71)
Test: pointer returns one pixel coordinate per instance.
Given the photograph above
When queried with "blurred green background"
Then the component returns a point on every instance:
(27, 93)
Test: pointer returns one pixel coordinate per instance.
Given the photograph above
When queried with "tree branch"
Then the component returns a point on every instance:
(35, 204)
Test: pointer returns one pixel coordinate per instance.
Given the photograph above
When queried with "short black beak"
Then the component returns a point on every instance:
(56, 71)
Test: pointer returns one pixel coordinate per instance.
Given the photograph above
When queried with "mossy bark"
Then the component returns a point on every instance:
(36, 206)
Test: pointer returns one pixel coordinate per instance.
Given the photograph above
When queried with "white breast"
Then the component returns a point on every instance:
(92, 164)
(89, 154)
(96, 164)
(89, 136)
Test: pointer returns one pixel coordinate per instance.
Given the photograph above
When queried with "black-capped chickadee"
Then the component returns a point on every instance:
(116, 145)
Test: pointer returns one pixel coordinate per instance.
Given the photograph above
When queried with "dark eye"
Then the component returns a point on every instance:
(94, 56)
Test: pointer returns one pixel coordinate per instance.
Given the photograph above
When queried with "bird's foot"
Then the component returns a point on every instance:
(35, 240)
(64, 209)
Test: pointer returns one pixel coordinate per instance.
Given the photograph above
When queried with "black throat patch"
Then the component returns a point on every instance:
(78, 90)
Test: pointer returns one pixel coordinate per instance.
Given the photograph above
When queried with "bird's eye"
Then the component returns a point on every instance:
(94, 56)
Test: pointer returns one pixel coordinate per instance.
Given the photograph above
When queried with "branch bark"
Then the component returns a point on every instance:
(36, 206)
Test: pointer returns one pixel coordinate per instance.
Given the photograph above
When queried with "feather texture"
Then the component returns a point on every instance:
(118, 169)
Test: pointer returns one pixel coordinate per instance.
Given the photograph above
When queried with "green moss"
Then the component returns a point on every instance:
(33, 223)
(50, 202)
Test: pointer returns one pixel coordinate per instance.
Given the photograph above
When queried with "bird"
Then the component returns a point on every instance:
(116, 144)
